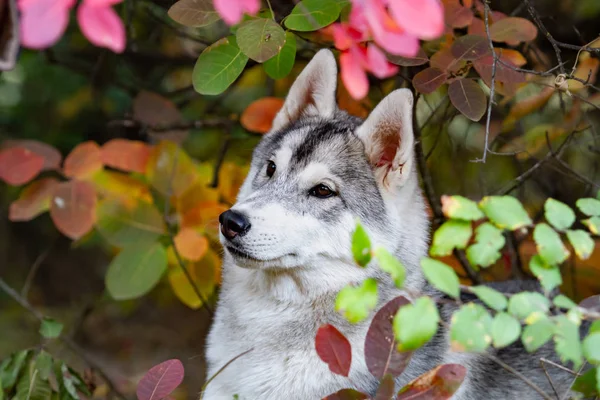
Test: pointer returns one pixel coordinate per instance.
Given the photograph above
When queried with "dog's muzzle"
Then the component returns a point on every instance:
(234, 223)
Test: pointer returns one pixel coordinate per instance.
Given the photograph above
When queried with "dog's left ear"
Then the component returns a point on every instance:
(388, 138)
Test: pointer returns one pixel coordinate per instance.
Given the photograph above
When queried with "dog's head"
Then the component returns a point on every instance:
(317, 171)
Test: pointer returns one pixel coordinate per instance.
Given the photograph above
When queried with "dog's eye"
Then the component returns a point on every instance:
(271, 167)
(321, 191)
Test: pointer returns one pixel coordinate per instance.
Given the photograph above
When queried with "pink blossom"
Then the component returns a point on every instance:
(232, 10)
(421, 18)
(101, 24)
(356, 61)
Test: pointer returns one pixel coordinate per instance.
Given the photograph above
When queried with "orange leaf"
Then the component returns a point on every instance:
(527, 106)
(513, 30)
(203, 214)
(190, 244)
(204, 274)
(118, 184)
(512, 56)
(83, 161)
(587, 69)
(258, 116)
(126, 155)
(33, 200)
(231, 178)
(196, 194)
(50, 154)
(73, 208)
(438, 384)
(19, 165)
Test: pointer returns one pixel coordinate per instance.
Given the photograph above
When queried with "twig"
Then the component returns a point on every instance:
(221, 157)
(33, 270)
(543, 365)
(178, 126)
(568, 391)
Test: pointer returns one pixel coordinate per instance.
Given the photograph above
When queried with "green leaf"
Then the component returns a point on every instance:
(441, 276)
(582, 242)
(523, 304)
(194, 13)
(548, 275)
(591, 348)
(135, 271)
(415, 324)
(549, 245)
(567, 341)
(311, 15)
(491, 297)
(43, 362)
(589, 383)
(537, 334)
(589, 206)
(459, 207)
(452, 234)
(31, 386)
(593, 224)
(505, 330)
(218, 66)
(361, 245)
(562, 301)
(281, 65)
(486, 250)
(260, 39)
(471, 329)
(355, 303)
(505, 212)
(391, 265)
(560, 215)
(595, 327)
(50, 329)
(12, 369)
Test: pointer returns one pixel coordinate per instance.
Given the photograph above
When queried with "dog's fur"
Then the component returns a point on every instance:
(281, 278)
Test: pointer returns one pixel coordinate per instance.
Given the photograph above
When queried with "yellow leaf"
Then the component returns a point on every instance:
(170, 170)
(231, 177)
(204, 274)
(116, 184)
(199, 193)
(587, 69)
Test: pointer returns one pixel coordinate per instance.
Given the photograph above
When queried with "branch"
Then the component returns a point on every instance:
(178, 126)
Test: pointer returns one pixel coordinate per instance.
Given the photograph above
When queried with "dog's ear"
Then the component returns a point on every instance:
(388, 138)
(313, 92)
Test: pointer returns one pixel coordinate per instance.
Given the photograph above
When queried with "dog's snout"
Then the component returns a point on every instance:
(233, 223)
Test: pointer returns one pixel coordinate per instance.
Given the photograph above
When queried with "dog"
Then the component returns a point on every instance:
(287, 254)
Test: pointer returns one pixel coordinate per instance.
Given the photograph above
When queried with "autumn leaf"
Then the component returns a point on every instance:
(126, 155)
(190, 244)
(52, 157)
(160, 380)
(33, 200)
(334, 349)
(83, 161)
(205, 275)
(19, 165)
(428, 80)
(258, 116)
(438, 384)
(73, 208)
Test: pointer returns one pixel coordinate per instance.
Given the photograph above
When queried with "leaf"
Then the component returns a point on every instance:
(31, 386)
(491, 297)
(205, 275)
(567, 341)
(218, 66)
(438, 384)
(260, 39)
(513, 30)
(591, 348)
(135, 271)
(83, 161)
(279, 66)
(126, 155)
(258, 116)
(347, 394)
(441, 276)
(589, 206)
(73, 208)
(381, 355)
(194, 13)
(43, 363)
(459, 207)
(593, 224)
(361, 246)
(486, 250)
(445, 61)
(537, 334)
(170, 170)
(562, 301)
(19, 165)
(154, 110)
(52, 157)
(471, 329)
(505, 330)
(468, 98)
(420, 59)
(9, 46)
(470, 47)
(190, 244)
(549, 245)
(33, 200)
(457, 16)
(504, 73)
(523, 304)
(311, 15)
(11, 370)
(355, 303)
(428, 80)
(160, 380)
(50, 329)
(390, 264)
(548, 275)
(559, 214)
(415, 324)
(529, 105)
(582, 243)
(334, 349)
(452, 234)
(588, 383)
(505, 212)
(386, 388)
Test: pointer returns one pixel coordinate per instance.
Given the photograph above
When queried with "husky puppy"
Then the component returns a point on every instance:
(287, 253)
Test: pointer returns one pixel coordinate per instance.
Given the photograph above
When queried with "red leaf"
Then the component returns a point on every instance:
(428, 80)
(445, 61)
(513, 30)
(468, 98)
(126, 155)
(50, 154)
(160, 380)
(33, 200)
(457, 16)
(381, 355)
(83, 161)
(386, 388)
(155, 110)
(347, 394)
(73, 208)
(334, 349)
(438, 384)
(470, 47)
(19, 165)
(258, 116)
(503, 73)
(420, 59)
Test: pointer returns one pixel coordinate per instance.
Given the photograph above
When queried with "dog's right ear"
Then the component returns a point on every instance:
(313, 92)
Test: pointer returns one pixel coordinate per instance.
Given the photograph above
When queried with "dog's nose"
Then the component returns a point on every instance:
(233, 223)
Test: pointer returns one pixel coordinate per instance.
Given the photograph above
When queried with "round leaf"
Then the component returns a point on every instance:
(486, 251)
(357, 302)
(549, 276)
(73, 208)
(471, 329)
(126, 155)
(591, 348)
(470, 47)
(415, 324)
(438, 384)
(593, 224)
(589, 206)
(523, 304)
(83, 161)
(50, 329)
(160, 380)
(549, 245)
(428, 80)
(468, 98)
(391, 265)
(459, 207)
(361, 246)
(281, 65)
(513, 30)
(311, 15)
(582, 243)
(441, 276)
(505, 330)
(19, 165)
(258, 116)
(260, 39)
(537, 334)
(334, 349)
(560, 215)
(505, 212)
(452, 234)
(194, 13)
(218, 66)
(491, 297)
(33, 200)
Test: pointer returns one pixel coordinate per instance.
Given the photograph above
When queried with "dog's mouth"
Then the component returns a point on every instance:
(246, 256)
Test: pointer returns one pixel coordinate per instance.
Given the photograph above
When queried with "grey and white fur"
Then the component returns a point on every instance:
(289, 255)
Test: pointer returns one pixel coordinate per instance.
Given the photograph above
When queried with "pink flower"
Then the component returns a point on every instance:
(356, 61)
(43, 22)
(232, 10)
